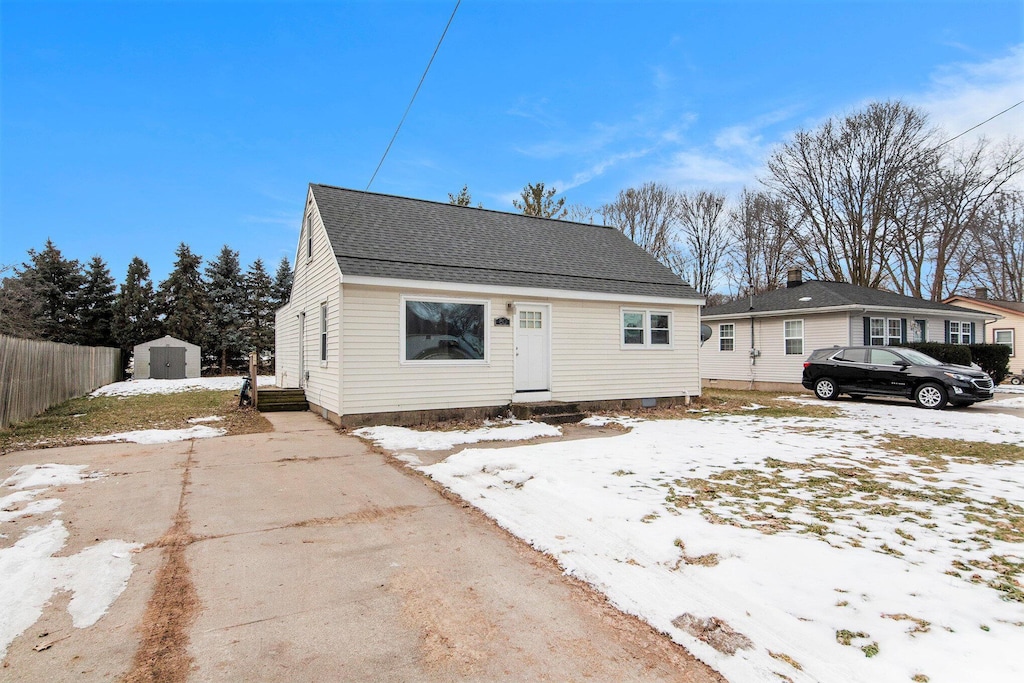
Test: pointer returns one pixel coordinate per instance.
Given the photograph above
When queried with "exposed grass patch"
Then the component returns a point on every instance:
(787, 659)
(69, 422)
(717, 402)
(936, 452)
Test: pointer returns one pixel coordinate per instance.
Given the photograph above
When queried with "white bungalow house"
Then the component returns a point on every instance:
(761, 342)
(403, 309)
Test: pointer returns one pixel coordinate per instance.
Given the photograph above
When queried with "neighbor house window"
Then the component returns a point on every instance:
(646, 329)
(1004, 337)
(793, 334)
(885, 331)
(726, 337)
(959, 332)
(323, 332)
(443, 330)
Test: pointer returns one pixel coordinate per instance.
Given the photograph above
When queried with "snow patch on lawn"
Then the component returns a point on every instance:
(138, 387)
(401, 438)
(200, 420)
(29, 572)
(760, 543)
(157, 436)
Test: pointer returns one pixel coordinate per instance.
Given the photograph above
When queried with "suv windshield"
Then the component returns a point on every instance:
(918, 358)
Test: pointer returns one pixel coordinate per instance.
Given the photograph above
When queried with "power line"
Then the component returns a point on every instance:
(981, 124)
(413, 99)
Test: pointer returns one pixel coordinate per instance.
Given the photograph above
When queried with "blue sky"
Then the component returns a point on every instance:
(129, 127)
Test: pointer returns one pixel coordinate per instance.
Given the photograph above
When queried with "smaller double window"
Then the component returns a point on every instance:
(886, 332)
(727, 337)
(646, 329)
(959, 332)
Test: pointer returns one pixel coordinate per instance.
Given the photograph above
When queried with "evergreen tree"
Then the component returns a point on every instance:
(97, 305)
(259, 310)
(135, 318)
(54, 286)
(281, 290)
(225, 337)
(182, 298)
(16, 317)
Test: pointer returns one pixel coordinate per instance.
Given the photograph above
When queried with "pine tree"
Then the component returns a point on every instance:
(538, 201)
(281, 290)
(135, 318)
(16, 317)
(97, 305)
(182, 298)
(259, 310)
(225, 337)
(54, 291)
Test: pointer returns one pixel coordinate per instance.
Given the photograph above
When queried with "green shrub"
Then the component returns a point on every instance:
(956, 354)
(993, 359)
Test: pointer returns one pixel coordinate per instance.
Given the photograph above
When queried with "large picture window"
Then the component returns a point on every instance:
(1004, 337)
(646, 329)
(444, 330)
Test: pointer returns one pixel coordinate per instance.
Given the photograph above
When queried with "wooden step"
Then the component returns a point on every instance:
(274, 400)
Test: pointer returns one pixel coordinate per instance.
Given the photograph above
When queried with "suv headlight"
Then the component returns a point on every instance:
(958, 376)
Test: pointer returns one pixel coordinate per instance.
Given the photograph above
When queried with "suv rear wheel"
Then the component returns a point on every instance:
(930, 395)
(826, 389)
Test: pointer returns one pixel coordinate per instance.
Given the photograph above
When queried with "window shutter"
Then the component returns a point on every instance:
(903, 330)
(972, 333)
(867, 331)
(947, 330)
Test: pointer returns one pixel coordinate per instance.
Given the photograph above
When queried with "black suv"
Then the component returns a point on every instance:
(892, 371)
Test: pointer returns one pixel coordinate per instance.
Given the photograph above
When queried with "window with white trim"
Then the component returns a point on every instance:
(646, 329)
(448, 331)
(727, 337)
(1004, 337)
(885, 331)
(793, 337)
(323, 333)
(959, 332)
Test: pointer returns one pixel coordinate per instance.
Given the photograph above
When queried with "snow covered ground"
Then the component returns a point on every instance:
(138, 387)
(30, 570)
(884, 545)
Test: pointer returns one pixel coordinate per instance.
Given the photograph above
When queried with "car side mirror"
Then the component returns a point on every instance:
(902, 363)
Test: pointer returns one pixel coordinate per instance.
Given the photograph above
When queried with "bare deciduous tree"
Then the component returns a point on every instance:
(999, 240)
(843, 178)
(704, 236)
(762, 250)
(579, 213)
(648, 215)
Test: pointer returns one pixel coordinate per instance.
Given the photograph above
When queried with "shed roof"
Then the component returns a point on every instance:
(817, 294)
(384, 236)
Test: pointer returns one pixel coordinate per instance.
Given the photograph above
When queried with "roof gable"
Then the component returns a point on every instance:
(395, 237)
(995, 305)
(817, 294)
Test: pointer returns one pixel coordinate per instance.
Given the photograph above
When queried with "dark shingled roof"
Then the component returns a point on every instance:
(395, 237)
(826, 295)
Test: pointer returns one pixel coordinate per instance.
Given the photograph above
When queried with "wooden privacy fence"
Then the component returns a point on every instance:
(35, 375)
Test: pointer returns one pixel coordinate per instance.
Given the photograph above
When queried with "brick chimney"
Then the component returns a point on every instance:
(981, 292)
(794, 277)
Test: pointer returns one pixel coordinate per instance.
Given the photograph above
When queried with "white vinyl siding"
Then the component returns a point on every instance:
(286, 348)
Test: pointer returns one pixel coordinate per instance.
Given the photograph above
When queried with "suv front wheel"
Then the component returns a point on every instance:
(826, 389)
(931, 395)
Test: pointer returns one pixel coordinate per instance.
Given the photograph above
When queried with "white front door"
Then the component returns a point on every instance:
(533, 347)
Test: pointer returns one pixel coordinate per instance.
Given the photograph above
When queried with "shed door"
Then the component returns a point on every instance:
(533, 347)
(167, 362)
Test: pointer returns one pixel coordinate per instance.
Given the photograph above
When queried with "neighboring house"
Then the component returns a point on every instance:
(761, 342)
(1008, 329)
(417, 309)
(166, 358)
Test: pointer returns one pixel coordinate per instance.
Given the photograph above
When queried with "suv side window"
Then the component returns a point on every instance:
(853, 356)
(883, 357)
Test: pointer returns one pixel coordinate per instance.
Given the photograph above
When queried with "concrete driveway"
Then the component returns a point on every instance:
(301, 555)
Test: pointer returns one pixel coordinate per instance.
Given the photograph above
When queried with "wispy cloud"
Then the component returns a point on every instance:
(963, 95)
(599, 169)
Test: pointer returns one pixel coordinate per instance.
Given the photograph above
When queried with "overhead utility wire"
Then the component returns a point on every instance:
(982, 123)
(413, 99)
